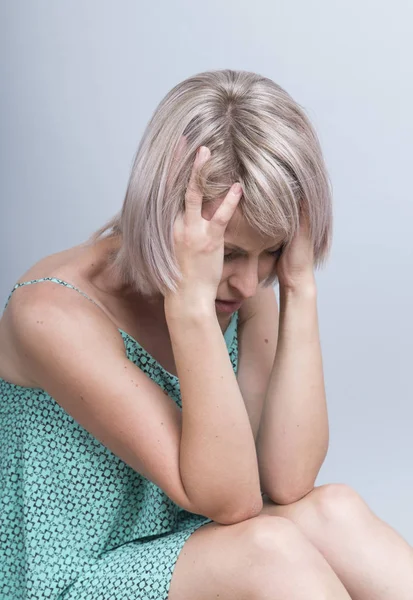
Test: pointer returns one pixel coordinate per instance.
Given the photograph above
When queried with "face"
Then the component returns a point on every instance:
(249, 259)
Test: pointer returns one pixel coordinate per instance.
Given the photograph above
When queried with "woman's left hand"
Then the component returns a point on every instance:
(295, 266)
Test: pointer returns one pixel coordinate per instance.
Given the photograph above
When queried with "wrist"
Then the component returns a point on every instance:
(305, 287)
(188, 306)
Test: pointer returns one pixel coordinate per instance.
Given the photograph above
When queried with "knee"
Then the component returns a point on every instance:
(281, 557)
(270, 536)
(338, 502)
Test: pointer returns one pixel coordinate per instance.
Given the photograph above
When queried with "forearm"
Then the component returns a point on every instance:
(218, 460)
(293, 435)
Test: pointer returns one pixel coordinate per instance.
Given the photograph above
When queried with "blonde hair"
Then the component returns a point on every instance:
(257, 134)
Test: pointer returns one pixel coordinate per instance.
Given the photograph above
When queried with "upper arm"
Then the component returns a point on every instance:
(257, 340)
(78, 357)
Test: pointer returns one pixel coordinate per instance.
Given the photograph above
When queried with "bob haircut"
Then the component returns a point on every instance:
(258, 135)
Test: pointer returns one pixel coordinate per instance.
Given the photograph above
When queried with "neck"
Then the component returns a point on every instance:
(108, 280)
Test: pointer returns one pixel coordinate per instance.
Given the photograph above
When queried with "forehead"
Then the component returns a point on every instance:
(240, 232)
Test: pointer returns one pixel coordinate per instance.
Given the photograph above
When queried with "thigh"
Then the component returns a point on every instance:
(215, 562)
(244, 561)
(241, 561)
(263, 557)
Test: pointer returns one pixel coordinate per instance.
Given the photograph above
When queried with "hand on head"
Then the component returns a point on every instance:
(198, 242)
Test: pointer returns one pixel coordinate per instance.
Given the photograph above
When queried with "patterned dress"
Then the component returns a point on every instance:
(76, 522)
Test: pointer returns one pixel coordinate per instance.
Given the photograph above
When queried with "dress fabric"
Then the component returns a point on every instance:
(75, 520)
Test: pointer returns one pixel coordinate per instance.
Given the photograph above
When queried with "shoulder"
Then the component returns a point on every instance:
(47, 307)
(46, 319)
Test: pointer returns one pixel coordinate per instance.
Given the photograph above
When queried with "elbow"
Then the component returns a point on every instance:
(232, 517)
(289, 496)
(285, 488)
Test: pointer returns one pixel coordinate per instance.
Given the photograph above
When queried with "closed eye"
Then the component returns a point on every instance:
(277, 253)
(230, 256)
(233, 255)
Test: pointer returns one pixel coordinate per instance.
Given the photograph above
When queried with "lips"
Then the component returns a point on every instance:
(227, 306)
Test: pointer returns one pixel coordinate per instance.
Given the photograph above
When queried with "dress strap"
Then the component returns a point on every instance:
(54, 280)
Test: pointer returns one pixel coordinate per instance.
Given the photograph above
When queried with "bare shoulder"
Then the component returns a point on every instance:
(49, 310)
(42, 311)
(39, 317)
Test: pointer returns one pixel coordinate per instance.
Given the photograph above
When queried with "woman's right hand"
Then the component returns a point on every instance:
(198, 242)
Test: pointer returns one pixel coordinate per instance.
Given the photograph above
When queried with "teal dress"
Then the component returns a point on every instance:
(76, 522)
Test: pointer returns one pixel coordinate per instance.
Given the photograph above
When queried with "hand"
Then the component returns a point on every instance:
(295, 266)
(198, 242)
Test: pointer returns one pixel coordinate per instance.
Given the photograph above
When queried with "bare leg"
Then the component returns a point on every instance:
(368, 556)
(264, 558)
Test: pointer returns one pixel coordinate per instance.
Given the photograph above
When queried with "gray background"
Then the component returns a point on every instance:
(79, 81)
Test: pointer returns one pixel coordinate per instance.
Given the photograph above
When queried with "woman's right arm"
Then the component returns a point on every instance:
(218, 455)
(75, 353)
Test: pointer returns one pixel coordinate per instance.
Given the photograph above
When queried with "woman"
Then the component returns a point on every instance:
(145, 408)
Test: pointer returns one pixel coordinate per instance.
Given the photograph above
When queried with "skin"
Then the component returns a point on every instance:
(370, 558)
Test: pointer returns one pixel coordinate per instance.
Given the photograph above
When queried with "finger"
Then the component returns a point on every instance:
(193, 195)
(224, 213)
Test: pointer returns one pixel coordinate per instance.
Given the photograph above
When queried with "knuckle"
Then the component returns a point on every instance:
(190, 192)
(221, 221)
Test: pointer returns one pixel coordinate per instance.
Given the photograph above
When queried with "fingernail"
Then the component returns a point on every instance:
(236, 188)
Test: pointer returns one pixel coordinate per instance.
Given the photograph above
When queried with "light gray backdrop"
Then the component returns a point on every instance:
(79, 81)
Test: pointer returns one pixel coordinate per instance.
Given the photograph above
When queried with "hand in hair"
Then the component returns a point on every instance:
(295, 267)
(198, 242)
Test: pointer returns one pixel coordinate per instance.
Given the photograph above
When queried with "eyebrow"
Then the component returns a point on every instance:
(234, 247)
(243, 251)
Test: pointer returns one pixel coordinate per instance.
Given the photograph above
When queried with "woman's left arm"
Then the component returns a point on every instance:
(293, 435)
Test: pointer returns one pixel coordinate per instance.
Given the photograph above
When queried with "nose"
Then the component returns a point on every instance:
(245, 281)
